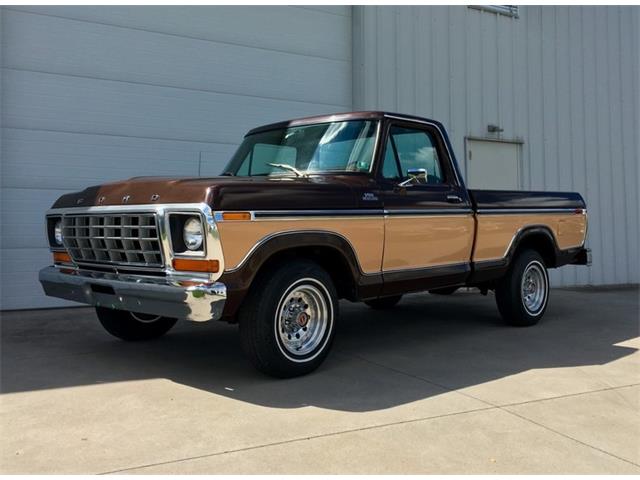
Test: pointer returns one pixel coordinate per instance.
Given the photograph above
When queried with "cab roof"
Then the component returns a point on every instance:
(341, 117)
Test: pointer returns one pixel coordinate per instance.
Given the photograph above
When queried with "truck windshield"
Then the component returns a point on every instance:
(298, 151)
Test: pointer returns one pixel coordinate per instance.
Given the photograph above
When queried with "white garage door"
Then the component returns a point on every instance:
(91, 94)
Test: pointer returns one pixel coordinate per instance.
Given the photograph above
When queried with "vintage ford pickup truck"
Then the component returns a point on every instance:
(362, 206)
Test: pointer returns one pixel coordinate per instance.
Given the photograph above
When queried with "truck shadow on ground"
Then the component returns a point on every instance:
(425, 346)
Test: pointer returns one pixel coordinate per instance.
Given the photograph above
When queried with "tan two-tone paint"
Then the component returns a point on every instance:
(404, 242)
(424, 241)
(364, 233)
(495, 232)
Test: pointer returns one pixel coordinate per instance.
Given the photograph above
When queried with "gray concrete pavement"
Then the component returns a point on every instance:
(437, 385)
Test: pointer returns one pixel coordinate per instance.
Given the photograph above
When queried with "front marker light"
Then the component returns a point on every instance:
(192, 233)
(57, 232)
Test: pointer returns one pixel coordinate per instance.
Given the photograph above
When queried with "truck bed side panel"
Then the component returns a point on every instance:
(502, 215)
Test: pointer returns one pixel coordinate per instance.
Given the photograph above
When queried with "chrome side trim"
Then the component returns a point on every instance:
(519, 211)
(428, 212)
(368, 212)
(264, 214)
(342, 213)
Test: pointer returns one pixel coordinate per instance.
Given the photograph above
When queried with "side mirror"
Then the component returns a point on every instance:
(415, 175)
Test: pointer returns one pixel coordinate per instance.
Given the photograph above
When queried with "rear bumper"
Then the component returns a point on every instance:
(575, 256)
(583, 257)
(185, 299)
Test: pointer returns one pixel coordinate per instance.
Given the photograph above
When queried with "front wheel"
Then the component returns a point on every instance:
(287, 322)
(523, 293)
(132, 326)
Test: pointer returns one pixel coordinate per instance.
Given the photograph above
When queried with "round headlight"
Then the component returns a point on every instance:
(192, 233)
(57, 232)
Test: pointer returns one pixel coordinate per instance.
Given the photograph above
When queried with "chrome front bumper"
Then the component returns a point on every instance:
(177, 298)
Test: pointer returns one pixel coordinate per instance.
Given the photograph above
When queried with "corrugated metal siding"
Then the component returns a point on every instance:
(563, 79)
(91, 94)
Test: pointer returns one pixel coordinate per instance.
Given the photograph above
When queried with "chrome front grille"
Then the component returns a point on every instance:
(114, 238)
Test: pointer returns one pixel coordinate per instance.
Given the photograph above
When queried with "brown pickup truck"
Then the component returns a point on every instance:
(361, 206)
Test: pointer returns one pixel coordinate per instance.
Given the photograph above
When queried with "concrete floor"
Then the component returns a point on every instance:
(437, 385)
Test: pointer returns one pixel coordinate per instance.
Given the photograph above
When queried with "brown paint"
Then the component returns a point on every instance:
(139, 191)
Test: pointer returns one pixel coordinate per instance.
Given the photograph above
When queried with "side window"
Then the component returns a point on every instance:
(415, 150)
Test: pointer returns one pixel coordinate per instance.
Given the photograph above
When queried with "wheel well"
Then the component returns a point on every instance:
(329, 258)
(542, 243)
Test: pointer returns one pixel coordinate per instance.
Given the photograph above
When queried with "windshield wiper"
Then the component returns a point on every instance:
(284, 166)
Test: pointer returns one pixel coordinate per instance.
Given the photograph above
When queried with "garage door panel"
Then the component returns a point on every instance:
(333, 9)
(70, 104)
(95, 94)
(22, 212)
(35, 42)
(289, 29)
(69, 161)
(19, 276)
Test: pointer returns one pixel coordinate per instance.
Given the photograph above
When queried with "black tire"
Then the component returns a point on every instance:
(268, 330)
(511, 296)
(444, 290)
(383, 303)
(133, 326)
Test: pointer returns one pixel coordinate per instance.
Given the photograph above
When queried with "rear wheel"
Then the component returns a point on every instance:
(133, 326)
(287, 321)
(523, 293)
(383, 303)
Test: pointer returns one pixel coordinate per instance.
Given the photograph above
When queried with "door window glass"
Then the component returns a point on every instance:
(413, 150)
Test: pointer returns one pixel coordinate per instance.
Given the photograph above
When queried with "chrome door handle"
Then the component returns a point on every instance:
(454, 199)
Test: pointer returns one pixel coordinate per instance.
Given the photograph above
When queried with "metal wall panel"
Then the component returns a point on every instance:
(563, 79)
(93, 94)
(90, 94)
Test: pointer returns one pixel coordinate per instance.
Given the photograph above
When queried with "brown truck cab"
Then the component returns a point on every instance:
(363, 206)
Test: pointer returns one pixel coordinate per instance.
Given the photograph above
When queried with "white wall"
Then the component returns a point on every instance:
(563, 79)
(91, 94)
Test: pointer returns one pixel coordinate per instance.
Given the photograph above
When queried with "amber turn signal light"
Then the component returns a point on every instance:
(236, 215)
(196, 265)
(61, 257)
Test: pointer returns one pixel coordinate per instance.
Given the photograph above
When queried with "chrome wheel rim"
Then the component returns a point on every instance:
(303, 318)
(534, 288)
(145, 317)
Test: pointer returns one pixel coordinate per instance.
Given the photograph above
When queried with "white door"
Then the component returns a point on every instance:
(493, 165)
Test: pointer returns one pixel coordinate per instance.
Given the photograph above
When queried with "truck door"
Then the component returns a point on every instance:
(429, 224)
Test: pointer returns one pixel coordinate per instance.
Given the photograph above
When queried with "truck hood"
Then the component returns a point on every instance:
(226, 193)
